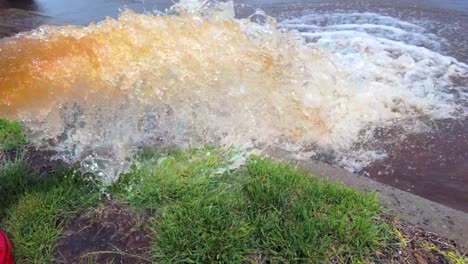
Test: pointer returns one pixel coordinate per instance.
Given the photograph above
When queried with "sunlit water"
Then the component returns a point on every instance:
(320, 85)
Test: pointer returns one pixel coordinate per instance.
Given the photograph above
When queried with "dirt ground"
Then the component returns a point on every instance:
(112, 233)
(418, 246)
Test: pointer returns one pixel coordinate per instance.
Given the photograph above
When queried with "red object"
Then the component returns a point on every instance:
(6, 250)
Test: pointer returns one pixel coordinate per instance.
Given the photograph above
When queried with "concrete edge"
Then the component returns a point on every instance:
(429, 215)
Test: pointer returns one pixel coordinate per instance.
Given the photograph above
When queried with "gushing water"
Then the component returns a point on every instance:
(97, 94)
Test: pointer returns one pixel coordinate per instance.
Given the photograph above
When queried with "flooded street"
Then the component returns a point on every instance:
(401, 121)
(433, 165)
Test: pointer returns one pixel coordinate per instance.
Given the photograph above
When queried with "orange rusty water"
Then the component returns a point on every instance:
(37, 72)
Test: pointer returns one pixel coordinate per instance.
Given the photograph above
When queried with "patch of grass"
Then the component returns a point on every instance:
(14, 182)
(35, 220)
(208, 229)
(301, 219)
(204, 212)
(197, 208)
(160, 178)
(33, 209)
(12, 136)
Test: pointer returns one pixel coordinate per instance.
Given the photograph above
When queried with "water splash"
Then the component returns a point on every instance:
(97, 94)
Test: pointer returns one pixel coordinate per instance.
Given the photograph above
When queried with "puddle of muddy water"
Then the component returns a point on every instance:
(432, 165)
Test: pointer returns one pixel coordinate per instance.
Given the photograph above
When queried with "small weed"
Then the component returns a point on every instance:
(452, 254)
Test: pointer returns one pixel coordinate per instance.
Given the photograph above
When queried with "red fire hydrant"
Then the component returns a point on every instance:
(6, 250)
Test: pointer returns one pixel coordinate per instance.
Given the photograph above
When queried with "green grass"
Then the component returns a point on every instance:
(205, 213)
(12, 136)
(196, 206)
(300, 219)
(34, 210)
(204, 209)
(14, 182)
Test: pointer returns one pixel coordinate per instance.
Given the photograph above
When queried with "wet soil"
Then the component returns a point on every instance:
(41, 162)
(111, 233)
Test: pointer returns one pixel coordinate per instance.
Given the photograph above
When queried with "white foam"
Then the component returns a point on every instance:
(380, 31)
(389, 60)
(356, 18)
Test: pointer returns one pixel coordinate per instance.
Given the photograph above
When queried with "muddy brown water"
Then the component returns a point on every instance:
(433, 165)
